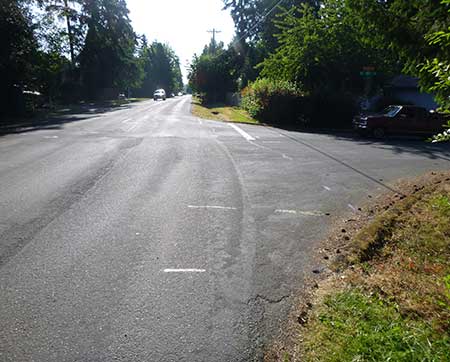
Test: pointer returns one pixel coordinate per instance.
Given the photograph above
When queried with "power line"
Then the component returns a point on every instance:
(260, 20)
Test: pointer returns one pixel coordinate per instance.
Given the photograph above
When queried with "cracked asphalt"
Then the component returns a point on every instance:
(146, 234)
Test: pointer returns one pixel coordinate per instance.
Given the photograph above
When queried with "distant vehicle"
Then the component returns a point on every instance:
(405, 120)
(159, 94)
(180, 93)
(121, 96)
(172, 95)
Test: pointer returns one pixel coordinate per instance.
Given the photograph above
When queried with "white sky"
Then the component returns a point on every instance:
(183, 24)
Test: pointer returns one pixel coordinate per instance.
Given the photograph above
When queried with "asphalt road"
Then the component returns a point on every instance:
(146, 234)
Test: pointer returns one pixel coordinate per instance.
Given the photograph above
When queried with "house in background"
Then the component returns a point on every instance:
(406, 89)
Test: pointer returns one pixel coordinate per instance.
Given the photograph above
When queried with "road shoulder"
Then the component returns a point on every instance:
(385, 269)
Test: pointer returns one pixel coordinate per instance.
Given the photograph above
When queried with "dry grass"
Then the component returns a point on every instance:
(221, 112)
(392, 302)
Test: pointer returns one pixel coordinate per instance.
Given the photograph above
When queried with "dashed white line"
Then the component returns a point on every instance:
(211, 207)
(299, 212)
(326, 188)
(127, 120)
(286, 211)
(184, 270)
(352, 207)
(242, 132)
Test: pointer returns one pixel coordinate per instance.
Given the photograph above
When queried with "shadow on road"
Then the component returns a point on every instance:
(55, 120)
(396, 144)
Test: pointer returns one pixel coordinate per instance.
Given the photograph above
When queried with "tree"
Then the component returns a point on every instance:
(256, 30)
(107, 60)
(18, 47)
(416, 30)
(161, 69)
(214, 74)
(324, 51)
(55, 35)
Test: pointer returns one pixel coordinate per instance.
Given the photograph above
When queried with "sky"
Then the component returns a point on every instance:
(183, 24)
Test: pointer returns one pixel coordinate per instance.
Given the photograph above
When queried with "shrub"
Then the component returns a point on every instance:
(282, 103)
(272, 101)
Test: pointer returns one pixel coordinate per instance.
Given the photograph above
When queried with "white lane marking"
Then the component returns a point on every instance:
(352, 207)
(211, 207)
(299, 212)
(326, 188)
(287, 157)
(132, 127)
(184, 270)
(242, 132)
(127, 120)
(50, 137)
(286, 211)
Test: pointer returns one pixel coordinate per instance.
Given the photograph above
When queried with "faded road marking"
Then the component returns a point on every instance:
(242, 133)
(127, 120)
(184, 270)
(326, 188)
(211, 207)
(299, 212)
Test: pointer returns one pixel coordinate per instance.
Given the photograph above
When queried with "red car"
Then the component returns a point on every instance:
(405, 120)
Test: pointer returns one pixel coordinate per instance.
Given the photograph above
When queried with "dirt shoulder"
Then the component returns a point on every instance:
(384, 293)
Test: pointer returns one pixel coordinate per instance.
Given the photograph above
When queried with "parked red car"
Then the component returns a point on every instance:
(400, 120)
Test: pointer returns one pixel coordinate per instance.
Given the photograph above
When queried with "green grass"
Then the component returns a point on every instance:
(395, 302)
(353, 326)
(221, 112)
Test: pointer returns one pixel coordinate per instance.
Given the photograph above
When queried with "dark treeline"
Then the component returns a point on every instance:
(314, 60)
(61, 51)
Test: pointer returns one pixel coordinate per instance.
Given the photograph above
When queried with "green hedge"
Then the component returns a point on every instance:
(282, 103)
(271, 101)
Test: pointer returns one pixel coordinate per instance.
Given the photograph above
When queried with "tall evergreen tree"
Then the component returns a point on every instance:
(108, 60)
(18, 47)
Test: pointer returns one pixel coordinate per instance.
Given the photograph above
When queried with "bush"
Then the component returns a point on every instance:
(282, 103)
(272, 101)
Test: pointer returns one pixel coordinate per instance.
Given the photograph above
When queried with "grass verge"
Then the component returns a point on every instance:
(221, 112)
(392, 303)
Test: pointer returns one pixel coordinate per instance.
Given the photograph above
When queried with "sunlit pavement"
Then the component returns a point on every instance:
(146, 234)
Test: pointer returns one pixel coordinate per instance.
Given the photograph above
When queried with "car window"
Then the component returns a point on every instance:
(391, 111)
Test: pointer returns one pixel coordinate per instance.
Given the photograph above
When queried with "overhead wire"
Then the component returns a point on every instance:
(247, 33)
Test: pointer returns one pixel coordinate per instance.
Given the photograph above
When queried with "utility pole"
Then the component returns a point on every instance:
(214, 32)
(213, 41)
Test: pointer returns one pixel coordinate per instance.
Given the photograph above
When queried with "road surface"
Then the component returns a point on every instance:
(146, 234)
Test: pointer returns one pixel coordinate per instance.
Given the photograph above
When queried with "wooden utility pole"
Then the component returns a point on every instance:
(214, 32)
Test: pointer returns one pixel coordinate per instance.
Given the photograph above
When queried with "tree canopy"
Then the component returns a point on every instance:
(68, 50)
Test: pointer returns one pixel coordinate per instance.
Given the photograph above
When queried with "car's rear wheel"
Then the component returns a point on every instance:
(379, 132)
